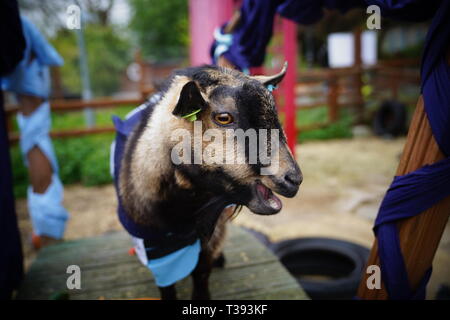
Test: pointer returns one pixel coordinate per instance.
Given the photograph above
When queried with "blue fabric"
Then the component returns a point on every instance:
(47, 213)
(417, 191)
(410, 194)
(252, 35)
(175, 266)
(34, 131)
(32, 76)
(46, 210)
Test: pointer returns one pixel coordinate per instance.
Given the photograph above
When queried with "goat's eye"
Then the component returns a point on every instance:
(223, 118)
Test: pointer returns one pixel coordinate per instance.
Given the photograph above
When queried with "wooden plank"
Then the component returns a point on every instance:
(14, 137)
(76, 105)
(107, 271)
(333, 111)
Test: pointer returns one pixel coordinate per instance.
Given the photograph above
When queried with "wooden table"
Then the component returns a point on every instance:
(109, 272)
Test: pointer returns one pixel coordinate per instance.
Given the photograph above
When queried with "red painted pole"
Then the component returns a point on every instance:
(204, 17)
(290, 53)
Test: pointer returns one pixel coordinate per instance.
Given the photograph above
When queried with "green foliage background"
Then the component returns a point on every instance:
(161, 27)
(108, 55)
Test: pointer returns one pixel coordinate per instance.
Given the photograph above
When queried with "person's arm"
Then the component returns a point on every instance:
(254, 30)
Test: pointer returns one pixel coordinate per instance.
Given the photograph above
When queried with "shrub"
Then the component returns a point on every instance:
(95, 167)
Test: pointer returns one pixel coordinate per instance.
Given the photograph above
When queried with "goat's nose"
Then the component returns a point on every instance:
(294, 178)
(289, 184)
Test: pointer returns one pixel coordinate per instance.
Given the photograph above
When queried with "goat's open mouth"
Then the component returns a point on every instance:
(264, 201)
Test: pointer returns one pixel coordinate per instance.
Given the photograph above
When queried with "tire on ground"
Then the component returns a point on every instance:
(325, 268)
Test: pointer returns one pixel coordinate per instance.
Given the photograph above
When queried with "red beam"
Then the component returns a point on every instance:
(290, 80)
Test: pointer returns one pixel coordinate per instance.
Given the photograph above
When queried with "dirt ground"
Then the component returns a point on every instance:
(344, 182)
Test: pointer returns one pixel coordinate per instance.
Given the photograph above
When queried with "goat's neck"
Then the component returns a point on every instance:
(151, 161)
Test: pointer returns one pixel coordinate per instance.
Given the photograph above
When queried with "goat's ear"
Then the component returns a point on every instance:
(274, 80)
(190, 102)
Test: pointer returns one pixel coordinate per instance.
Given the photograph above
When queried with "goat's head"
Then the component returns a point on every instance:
(225, 105)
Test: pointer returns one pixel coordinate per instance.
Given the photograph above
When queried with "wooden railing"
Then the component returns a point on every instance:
(386, 78)
(330, 95)
(74, 105)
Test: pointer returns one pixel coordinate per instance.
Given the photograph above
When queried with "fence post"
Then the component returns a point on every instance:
(138, 59)
(204, 17)
(333, 111)
(84, 70)
(358, 75)
(290, 80)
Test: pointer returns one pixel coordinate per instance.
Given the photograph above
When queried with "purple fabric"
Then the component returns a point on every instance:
(248, 48)
(417, 191)
(410, 194)
(251, 37)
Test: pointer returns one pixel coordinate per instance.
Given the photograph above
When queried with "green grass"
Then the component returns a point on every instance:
(340, 129)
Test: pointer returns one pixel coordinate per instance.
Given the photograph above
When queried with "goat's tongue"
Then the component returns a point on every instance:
(268, 197)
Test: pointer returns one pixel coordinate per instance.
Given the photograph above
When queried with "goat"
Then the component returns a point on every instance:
(176, 212)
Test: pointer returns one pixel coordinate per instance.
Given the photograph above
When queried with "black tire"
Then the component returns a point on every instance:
(341, 262)
(390, 119)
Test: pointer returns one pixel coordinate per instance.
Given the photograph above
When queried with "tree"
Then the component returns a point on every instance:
(161, 27)
(108, 56)
(107, 49)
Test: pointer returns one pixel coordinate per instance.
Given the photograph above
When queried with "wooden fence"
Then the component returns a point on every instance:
(333, 88)
(74, 105)
(340, 88)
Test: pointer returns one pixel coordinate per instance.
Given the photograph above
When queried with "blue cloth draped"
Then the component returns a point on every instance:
(32, 75)
(410, 194)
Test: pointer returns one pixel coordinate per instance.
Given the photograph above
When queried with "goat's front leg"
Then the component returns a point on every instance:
(200, 277)
(168, 293)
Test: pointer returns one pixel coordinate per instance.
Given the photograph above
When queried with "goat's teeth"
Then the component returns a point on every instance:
(273, 203)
